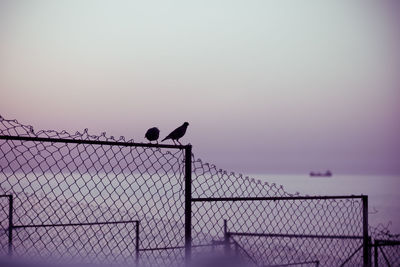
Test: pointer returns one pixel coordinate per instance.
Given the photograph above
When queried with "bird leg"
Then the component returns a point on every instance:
(178, 141)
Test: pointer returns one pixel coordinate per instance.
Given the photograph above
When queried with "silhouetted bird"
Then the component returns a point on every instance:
(178, 133)
(152, 134)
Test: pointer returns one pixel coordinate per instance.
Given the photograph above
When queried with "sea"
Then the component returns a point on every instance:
(383, 192)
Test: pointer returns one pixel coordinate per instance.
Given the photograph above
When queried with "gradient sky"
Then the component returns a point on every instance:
(267, 86)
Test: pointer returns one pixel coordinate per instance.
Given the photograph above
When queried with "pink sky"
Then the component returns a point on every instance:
(267, 86)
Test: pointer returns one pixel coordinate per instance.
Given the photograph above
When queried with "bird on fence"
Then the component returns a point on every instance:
(152, 134)
(178, 133)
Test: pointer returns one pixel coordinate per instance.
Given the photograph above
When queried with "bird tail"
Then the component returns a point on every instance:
(164, 139)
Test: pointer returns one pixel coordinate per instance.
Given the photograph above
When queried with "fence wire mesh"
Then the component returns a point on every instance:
(386, 252)
(81, 201)
(93, 243)
(62, 183)
(4, 223)
(278, 232)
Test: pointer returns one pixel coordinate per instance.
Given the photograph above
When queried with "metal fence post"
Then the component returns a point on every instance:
(376, 243)
(366, 239)
(369, 251)
(10, 224)
(226, 237)
(188, 203)
(137, 244)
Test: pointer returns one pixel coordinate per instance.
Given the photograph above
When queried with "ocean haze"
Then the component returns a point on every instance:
(266, 86)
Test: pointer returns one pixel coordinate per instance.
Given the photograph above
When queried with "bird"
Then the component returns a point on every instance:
(178, 133)
(152, 134)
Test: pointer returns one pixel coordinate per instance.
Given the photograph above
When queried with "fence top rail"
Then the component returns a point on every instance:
(5, 195)
(210, 199)
(382, 242)
(183, 247)
(296, 236)
(90, 142)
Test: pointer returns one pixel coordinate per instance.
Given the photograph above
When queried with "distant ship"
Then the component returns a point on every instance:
(328, 173)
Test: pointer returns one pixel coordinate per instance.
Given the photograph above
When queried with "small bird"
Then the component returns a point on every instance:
(178, 133)
(152, 134)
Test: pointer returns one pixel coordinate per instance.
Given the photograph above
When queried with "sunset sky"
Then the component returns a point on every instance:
(267, 86)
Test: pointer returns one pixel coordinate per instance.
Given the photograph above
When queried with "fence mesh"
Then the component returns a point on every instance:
(113, 243)
(286, 231)
(59, 186)
(68, 183)
(386, 247)
(386, 253)
(4, 223)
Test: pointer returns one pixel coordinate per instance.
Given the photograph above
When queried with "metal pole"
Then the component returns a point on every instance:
(376, 243)
(188, 204)
(10, 224)
(226, 237)
(88, 142)
(366, 254)
(369, 251)
(137, 243)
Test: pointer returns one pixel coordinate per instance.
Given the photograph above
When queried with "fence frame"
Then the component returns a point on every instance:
(188, 178)
(365, 237)
(188, 191)
(378, 244)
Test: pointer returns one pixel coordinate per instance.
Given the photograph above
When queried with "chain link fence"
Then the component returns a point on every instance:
(386, 253)
(91, 198)
(5, 222)
(286, 230)
(78, 197)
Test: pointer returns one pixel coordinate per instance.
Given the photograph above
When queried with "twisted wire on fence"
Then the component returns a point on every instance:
(322, 217)
(386, 246)
(59, 186)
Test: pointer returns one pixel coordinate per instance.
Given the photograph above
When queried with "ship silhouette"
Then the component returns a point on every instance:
(328, 173)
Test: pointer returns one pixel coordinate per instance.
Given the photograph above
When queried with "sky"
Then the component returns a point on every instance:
(267, 86)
